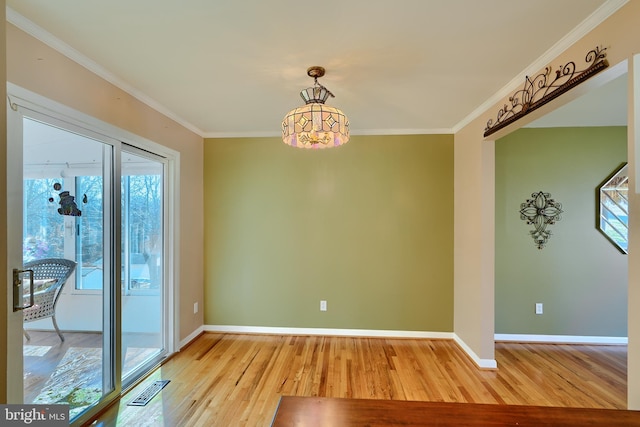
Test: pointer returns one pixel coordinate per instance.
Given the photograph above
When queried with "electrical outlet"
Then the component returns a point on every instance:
(195, 307)
(323, 305)
(538, 308)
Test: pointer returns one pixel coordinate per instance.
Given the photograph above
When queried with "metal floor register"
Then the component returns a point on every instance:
(148, 393)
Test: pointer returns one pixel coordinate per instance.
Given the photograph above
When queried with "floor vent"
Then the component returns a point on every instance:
(148, 393)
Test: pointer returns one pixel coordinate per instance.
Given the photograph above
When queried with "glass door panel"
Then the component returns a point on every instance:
(143, 261)
(89, 241)
(43, 231)
(67, 214)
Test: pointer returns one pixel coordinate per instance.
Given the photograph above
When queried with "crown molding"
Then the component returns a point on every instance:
(370, 132)
(435, 131)
(55, 43)
(597, 17)
(591, 22)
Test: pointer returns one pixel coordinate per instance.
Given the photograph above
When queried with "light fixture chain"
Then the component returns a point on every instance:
(316, 83)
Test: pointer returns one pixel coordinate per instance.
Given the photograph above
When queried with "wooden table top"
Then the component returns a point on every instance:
(328, 412)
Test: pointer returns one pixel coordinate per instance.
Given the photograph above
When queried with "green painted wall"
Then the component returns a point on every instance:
(368, 227)
(579, 276)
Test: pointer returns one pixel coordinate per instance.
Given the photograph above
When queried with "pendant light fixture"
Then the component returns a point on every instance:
(315, 125)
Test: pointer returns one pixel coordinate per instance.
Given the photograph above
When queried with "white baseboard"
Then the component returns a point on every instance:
(191, 337)
(482, 363)
(562, 339)
(268, 330)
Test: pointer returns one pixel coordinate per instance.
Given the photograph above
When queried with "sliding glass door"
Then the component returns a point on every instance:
(68, 219)
(82, 198)
(143, 261)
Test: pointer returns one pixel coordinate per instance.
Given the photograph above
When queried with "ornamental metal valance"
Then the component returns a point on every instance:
(541, 89)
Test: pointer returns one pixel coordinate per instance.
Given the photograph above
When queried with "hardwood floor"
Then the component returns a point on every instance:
(237, 380)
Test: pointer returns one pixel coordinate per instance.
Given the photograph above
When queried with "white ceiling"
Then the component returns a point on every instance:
(235, 67)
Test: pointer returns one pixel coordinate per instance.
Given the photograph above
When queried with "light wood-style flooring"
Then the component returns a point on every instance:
(237, 380)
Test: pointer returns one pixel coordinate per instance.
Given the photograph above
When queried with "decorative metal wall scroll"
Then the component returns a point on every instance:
(541, 89)
(540, 211)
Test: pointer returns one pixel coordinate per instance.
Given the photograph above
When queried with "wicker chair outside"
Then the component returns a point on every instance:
(45, 300)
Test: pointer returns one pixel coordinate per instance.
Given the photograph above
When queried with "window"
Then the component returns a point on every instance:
(45, 237)
(142, 224)
(89, 241)
(43, 231)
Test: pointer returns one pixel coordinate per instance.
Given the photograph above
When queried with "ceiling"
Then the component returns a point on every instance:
(231, 68)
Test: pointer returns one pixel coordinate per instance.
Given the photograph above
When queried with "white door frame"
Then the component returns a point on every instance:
(20, 98)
